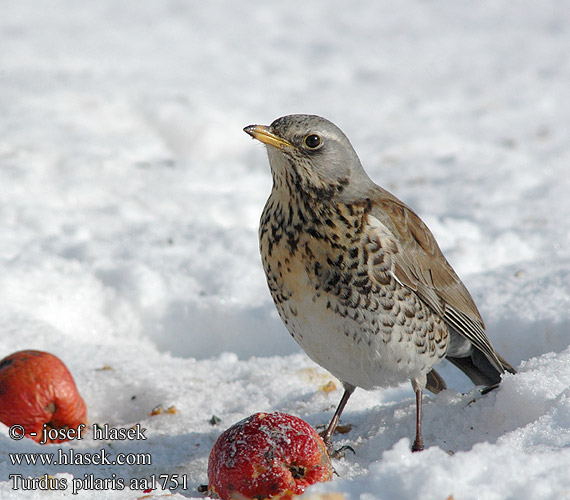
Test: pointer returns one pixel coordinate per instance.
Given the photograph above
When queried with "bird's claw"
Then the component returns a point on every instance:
(340, 452)
(336, 453)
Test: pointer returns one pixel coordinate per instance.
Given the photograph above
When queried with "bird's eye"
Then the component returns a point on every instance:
(313, 141)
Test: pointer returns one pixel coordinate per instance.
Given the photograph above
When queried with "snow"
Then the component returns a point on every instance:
(130, 200)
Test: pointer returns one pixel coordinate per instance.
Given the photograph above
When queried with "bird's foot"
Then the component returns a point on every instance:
(332, 452)
(340, 452)
(418, 445)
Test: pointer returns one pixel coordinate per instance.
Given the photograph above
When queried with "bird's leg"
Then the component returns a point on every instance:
(328, 433)
(418, 442)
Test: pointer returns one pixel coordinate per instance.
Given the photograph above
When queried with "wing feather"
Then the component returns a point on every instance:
(419, 264)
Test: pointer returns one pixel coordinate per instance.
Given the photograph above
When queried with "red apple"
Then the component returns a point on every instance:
(36, 388)
(267, 455)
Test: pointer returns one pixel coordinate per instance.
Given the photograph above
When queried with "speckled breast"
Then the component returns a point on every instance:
(332, 284)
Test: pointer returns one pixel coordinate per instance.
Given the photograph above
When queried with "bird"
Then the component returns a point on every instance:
(357, 277)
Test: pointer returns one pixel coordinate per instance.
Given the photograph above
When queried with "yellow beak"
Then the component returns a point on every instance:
(263, 134)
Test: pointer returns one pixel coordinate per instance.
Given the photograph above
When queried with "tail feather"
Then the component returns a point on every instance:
(480, 370)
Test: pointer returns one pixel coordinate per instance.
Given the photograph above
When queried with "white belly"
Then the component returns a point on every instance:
(350, 347)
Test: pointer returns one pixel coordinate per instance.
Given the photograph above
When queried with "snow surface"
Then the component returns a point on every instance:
(130, 200)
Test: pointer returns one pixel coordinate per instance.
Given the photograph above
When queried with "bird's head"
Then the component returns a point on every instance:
(310, 154)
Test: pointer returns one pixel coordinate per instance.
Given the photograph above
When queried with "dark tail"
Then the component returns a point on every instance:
(479, 369)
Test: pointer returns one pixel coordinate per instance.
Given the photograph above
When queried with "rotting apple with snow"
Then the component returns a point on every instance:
(267, 455)
(36, 388)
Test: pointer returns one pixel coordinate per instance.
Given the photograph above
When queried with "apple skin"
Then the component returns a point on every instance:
(267, 455)
(36, 388)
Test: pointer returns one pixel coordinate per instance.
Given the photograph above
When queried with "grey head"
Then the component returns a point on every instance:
(312, 155)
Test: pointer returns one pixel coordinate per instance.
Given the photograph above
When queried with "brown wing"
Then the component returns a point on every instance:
(420, 265)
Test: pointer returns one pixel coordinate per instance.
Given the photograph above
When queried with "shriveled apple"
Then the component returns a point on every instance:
(36, 388)
(267, 455)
